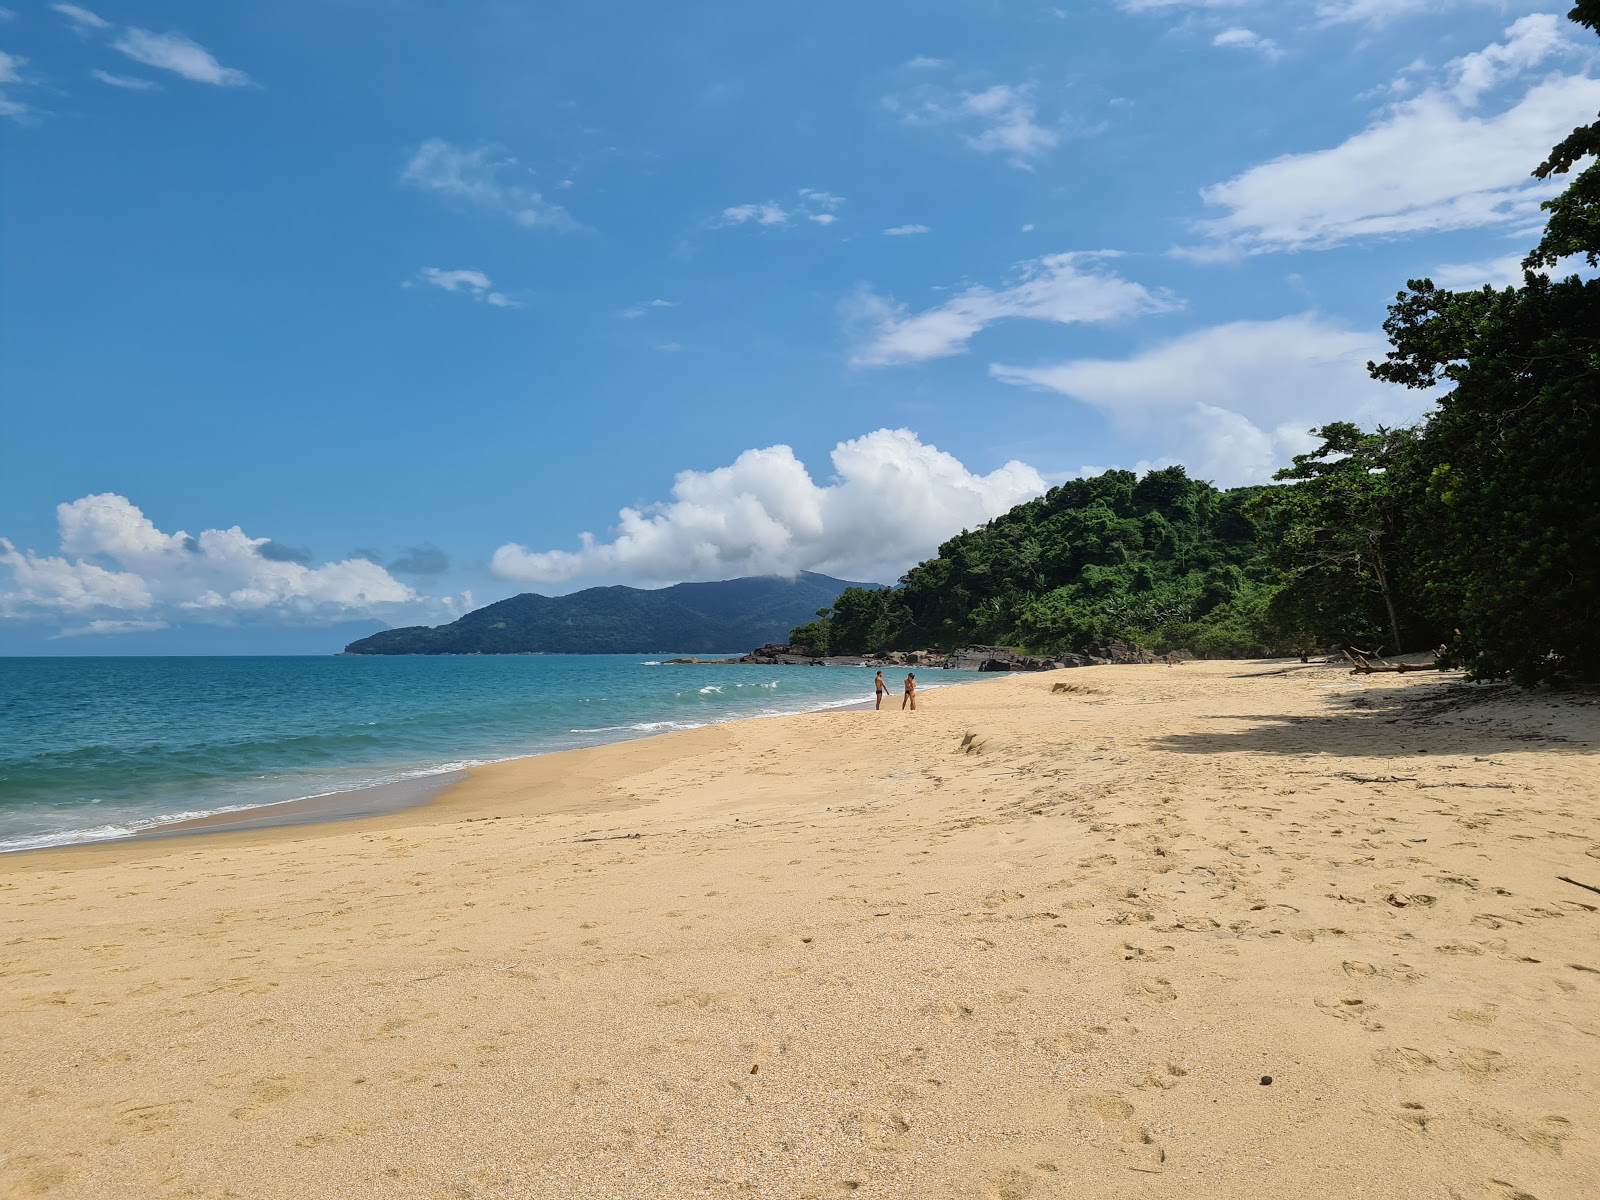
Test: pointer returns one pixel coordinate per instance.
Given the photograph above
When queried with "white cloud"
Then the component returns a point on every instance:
(1430, 163)
(1002, 119)
(1234, 402)
(83, 21)
(923, 63)
(1528, 43)
(469, 282)
(767, 213)
(1248, 39)
(473, 177)
(127, 82)
(1381, 12)
(906, 230)
(818, 207)
(890, 503)
(117, 572)
(1504, 271)
(180, 55)
(11, 72)
(1063, 288)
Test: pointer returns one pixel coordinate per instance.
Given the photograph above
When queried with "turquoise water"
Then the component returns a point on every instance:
(97, 748)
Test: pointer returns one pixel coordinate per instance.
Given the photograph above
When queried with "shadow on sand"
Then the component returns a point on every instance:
(1448, 716)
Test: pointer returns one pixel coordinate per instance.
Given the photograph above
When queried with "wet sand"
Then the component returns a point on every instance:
(312, 810)
(1021, 943)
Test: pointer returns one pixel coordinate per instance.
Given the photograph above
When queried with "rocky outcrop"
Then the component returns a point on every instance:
(1118, 653)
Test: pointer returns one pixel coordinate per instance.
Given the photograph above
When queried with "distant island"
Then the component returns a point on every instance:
(690, 618)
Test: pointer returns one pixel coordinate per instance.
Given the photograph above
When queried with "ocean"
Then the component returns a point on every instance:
(93, 749)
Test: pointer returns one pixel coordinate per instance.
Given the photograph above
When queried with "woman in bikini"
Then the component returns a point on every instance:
(911, 693)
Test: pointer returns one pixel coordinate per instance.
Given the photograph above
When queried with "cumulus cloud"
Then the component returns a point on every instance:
(890, 502)
(81, 19)
(1062, 288)
(474, 176)
(467, 282)
(1248, 39)
(180, 55)
(1234, 402)
(116, 572)
(1003, 119)
(1430, 163)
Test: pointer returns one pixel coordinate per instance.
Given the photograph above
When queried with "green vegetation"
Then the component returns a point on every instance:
(1478, 529)
(690, 618)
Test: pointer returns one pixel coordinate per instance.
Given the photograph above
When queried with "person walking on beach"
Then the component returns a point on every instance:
(882, 689)
(911, 694)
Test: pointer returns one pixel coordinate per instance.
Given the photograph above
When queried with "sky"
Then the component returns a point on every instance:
(324, 316)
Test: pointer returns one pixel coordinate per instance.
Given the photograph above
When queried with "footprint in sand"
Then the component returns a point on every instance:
(1158, 989)
(1165, 1077)
(1479, 1061)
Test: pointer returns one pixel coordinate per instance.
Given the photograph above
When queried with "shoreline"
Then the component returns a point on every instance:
(1027, 943)
(377, 799)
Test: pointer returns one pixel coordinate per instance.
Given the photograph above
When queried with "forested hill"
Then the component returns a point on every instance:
(688, 617)
(1163, 560)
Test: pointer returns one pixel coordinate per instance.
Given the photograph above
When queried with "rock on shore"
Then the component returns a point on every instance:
(968, 658)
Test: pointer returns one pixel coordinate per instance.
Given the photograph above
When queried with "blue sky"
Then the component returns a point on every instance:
(331, 314)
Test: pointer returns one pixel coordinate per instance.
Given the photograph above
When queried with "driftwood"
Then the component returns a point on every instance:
(1364, 663)
(1586, 886)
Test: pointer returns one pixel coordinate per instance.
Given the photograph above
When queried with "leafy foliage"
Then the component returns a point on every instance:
(1152, 560)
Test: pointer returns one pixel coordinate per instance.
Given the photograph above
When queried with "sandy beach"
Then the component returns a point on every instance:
(1023, 943)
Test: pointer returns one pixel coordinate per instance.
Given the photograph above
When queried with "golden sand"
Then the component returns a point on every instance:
(1022, 943)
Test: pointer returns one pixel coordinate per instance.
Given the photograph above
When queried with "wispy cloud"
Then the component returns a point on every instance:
(923, 63)
(469, 283)
(11, 73)
(1003, 119)
(1233, 402)
(1383, 12)
(1248, 39)
(768, 212)
(1064, 289)
(905, 230)
(1430, 163)
(128, 82)
(640, 310)
(821, 208)
(180, 55)
(473, 176)
(82, 20)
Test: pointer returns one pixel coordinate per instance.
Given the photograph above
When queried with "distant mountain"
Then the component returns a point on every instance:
(688, 617)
